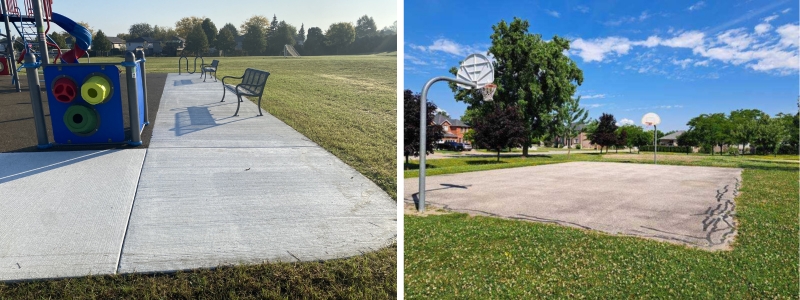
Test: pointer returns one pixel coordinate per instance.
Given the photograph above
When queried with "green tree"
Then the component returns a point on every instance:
(500, 128)
(186, 25)
(301, 34)
(256, 20)
(225, 41)
(711, 130)
(743, 125)
(100, 43)
(196, 42)
(365, 26)
(622, 140)
(531, 73)
(284, 35)
(315, 42)
(340, 35)
(433, 133)
(771, 134)
(689, 138)
(211, 32)
(140, 30)
(255, 41)
(636, 137)
(60, 39)
(161, 33)
(569, 120)
(605, 134)
(232, 29)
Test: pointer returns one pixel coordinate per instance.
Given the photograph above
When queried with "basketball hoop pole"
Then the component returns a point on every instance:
(655, 143)
(423, 128)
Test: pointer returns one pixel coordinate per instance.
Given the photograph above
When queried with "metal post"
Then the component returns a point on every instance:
(36, 101)
(140, 55)
(10, 47)
(37, 16)
(133, 103)
(655, 143)
(423, 126)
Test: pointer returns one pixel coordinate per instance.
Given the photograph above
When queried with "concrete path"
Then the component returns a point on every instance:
(679, 204)
(211, 190)
(64, 214)
(218, 189)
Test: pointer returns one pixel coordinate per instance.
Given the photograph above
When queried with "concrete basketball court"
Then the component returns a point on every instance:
(211, 190)
(679, 204)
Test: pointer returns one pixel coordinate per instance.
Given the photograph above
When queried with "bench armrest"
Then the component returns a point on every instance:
(233, 77)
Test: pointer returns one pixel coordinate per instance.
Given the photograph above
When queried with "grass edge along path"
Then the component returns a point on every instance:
(457, 255)
(369, 276)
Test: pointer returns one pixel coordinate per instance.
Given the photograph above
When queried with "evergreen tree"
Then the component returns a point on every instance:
(196, 42)
(301, 35)
(225, 41)
(100, 42)
(211, 32)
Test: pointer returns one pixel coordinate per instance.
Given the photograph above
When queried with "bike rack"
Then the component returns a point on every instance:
(202, 62)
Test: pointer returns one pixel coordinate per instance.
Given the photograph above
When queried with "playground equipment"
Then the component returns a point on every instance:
(85, 100)
(289, 51)
(476, 72)
(32, 23)
(4, 68)
(194, 70)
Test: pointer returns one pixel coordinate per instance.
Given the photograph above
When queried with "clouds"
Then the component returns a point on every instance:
(582, 8)
(446, 46)
(598, 49)
(596, 96)
(552, 13)
(625, 121)
(631, 19)
(696, 6)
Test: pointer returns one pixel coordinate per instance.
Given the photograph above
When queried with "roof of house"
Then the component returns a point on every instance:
(440, 119)
(141, 39)
(115, 40)
(673, 136)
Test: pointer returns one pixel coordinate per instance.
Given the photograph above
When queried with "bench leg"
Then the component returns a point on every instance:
(259, 107)
(215, 76)
(239, 103)
(223, 93)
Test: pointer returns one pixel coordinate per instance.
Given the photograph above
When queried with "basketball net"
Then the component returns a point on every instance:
(487, 91)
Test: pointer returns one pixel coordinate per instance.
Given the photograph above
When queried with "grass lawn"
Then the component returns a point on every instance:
(346, 104)
(461, 256)
(371, 276)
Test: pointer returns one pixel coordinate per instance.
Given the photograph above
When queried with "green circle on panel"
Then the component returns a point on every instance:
(80, 119)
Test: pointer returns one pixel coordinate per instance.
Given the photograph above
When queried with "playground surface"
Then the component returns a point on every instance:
(210, 190)
(679, 204)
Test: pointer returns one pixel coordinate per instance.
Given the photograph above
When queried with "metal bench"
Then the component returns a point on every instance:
(253, 82)
(212, 68)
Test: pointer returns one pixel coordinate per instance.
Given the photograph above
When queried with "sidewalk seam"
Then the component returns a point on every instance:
(130, 212)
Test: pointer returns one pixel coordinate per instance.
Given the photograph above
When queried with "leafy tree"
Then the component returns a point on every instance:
(196, 42)
(433, 132)
(140, 30)
(257, 20)
(500, 128)
(689, 139)
(744, 124)
(635, 136)
(365, 26)
(60, 39)
(531, 73)
(273, 26)
(315, 42)
(186, 25)
(284, 35)
(162, 33)
(301, 34)
(255, 41)
(211, 32)
(792, 124)
(711, 129)
(340, 35)
(225, 40)
(100, 42)
(232, 29)
(622, 140)
(569, 120)
(389, 30)
(605, 134)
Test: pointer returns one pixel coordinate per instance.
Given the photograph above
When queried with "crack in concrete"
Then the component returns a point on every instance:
(719, 223)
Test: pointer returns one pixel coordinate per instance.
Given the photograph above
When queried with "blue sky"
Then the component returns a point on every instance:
(678, 59)
(116, 17)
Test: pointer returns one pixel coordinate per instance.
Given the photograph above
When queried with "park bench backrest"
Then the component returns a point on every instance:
(214, 63)
(257, 79)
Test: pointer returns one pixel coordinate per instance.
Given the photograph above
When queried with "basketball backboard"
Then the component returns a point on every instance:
(651, 119)
(476, 68)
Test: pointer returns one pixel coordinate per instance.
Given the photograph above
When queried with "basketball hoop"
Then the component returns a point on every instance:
(488, 91)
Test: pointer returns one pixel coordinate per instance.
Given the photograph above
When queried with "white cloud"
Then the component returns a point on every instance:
(417, 47)
(415, 60)
(735, 38)
(683, 62)
(446, 46)
(703, 63)
(770, 18)
(439, 109)
(762, 28)
(582, 8)
(596, 96)
(598, 49)
(625, 121)
(786, 10)
(595, 105)
(643, 16)
(552, 13)
(689, 39)
(790, 33)
(697, 6)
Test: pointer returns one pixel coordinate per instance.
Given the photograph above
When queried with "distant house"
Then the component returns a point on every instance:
(671, 139)
(145, 43)
(453, 129)
(116, 43)
(582, 139)
(239, 40)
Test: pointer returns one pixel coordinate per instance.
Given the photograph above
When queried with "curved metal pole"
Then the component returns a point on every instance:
(179, 64)
(423, 128)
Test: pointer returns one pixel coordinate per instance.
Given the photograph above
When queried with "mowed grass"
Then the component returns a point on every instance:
(371, 276)
(346, 104)
(461, 256)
